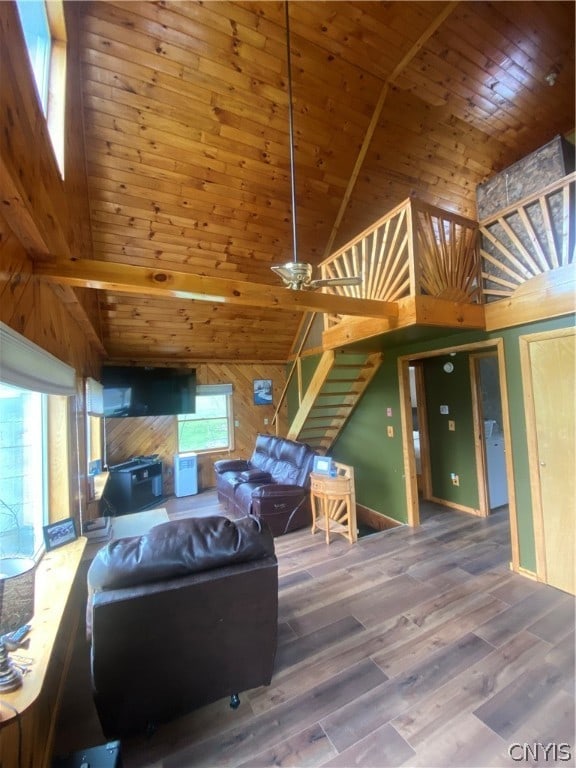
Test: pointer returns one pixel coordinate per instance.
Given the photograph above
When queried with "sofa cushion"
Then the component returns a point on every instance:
(287, 461)
(178, 548)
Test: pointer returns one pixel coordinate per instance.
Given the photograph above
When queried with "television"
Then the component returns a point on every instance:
(146, 391)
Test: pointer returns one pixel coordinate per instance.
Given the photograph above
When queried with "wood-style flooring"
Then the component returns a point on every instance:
(412, 647)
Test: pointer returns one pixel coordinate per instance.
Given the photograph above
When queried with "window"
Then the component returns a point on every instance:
(39, 43)
(94, 394)
(210, 428)
(23, 504)
(44, 33)
(35, 388)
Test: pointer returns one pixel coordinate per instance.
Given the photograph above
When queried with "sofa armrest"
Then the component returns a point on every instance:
(255, 476)
(275, 490)
(231, 465)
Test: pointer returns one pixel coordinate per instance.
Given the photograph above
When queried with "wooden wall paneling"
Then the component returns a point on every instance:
(29, 170)
(16, 281)
(44, 213)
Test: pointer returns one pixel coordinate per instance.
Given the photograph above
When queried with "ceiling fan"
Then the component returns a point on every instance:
(298, 274)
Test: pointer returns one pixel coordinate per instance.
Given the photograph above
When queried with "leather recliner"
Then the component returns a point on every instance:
(274, 484)
(179, 617)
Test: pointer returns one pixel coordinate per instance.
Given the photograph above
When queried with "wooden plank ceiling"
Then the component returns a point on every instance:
(186, 122)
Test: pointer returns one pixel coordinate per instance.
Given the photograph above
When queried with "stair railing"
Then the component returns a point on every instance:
(296, 367)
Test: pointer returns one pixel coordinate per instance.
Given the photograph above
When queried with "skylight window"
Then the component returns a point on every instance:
(44, 31)
(39, 43)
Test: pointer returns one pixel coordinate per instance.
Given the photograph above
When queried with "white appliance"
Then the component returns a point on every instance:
(185, 474)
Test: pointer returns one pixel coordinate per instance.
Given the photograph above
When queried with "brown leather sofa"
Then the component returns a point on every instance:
(274, 484)
(179, 617)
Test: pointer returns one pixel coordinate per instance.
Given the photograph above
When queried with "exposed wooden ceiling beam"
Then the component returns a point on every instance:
(402, 64)
(127, 278)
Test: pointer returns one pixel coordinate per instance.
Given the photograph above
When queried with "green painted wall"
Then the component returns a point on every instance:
(378, 459)
(451, 452)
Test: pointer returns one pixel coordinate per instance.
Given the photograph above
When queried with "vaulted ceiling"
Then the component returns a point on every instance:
(187, 139)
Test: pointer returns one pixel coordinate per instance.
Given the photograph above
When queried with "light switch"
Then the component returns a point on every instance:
(390, 431)
(444, 410)
(388, 411)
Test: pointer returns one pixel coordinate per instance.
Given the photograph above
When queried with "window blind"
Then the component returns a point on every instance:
(94, 397)
(26, 365)
(214, 389)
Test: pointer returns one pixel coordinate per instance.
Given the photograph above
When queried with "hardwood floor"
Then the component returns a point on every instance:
(412, 647)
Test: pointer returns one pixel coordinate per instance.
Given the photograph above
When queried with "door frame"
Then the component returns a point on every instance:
(532, 442)
(479, 438)
(413, 513)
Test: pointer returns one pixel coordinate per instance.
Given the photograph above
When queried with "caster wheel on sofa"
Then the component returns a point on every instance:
(234, 701)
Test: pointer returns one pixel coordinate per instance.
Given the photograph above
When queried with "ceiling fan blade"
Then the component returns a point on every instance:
(327, 281)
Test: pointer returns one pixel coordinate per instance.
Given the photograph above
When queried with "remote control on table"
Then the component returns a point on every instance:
(14, 639)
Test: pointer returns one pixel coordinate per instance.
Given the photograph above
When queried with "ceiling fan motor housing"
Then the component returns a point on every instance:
(296, 274)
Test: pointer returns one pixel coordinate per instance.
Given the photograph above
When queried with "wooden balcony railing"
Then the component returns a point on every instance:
(527, 239)
(414, 249)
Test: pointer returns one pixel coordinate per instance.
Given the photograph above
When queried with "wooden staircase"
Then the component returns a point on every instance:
(336, 387)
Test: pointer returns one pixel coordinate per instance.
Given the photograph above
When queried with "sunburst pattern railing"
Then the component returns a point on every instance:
(525, 240)
(416, 248)
(446, 255)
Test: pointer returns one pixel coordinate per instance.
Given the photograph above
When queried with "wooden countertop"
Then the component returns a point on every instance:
(55, 575)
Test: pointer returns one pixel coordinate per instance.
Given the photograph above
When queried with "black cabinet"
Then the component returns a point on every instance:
(133, 485)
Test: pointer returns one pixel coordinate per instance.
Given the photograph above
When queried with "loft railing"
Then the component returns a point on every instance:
(414, 249)
(527, 239)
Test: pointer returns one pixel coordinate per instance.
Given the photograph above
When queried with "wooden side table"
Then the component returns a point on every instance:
(333, 502)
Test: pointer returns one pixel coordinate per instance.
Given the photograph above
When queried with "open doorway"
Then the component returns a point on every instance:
(417, 487)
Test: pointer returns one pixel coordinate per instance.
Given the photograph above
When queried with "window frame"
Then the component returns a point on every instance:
(53, 101)
(221, 390)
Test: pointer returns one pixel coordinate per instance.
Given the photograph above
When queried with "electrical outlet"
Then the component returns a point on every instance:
(451, 425)
(265, 421)
(390, 430)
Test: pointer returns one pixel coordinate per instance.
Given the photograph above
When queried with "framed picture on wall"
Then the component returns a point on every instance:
(262, 391)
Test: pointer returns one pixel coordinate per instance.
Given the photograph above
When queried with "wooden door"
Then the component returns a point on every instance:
(548, 362)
